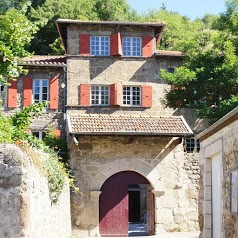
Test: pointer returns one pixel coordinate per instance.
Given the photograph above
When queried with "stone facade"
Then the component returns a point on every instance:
(172, 173)
(25, 206)
(219, 144)
(52, 118)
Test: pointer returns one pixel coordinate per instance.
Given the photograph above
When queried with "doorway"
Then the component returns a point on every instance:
(123, 206)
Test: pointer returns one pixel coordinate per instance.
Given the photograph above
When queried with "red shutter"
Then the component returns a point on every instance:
(54, 93)
(146, 96)
(84, 44)
(116, 94)
(27, 91)
(147, 46)
(57, 133)
(12, 94)
(115, 44)
(84, 94)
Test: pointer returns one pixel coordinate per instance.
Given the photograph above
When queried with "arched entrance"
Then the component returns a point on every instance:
(126, 197)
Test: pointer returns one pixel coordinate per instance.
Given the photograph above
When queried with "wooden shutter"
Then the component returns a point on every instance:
(84, 94)
(115, 44)
(54, 93)
(27, 91)
(147, 46)
(84, 44)
(12, 94)
(57, 133)
(146, 96)
(116, 94)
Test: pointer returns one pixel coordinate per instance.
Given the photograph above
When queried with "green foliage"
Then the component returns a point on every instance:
(208, 79)
(56, 174)
(15, 129)
(16, 32)
(59, 145)
(5, 5)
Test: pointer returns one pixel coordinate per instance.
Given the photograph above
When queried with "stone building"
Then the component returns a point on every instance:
(133, 160)
(43, 82)
(219, 169)
(126, 149)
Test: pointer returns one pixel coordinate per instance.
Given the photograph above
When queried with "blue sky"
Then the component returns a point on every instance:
(189, 8)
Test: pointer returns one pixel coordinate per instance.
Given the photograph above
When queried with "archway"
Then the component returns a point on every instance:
(126, 197)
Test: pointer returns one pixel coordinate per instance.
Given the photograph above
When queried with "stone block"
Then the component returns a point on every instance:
(207, 207)
(165, 216)
(207, 221)
(207, 233)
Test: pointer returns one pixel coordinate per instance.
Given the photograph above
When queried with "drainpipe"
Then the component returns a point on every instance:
(75, 140)
(64, 86)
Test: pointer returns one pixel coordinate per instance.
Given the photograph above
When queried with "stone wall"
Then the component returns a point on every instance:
(173, 175)
(222, 143)
(25, 206)
(51, 118)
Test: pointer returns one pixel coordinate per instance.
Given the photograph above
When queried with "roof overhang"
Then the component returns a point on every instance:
(87, 124)
(229, 118)
(62, 25)
(45, 61)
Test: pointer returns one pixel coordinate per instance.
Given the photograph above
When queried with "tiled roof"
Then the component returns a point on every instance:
(123, 124)
(169, 53)
(45, 60)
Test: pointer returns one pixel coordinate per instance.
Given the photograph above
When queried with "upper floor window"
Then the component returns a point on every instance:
(131, 46)
(132, 95)
(100, 45)
(40, 90)
(3, 94)
(100, 95)
(192, 145)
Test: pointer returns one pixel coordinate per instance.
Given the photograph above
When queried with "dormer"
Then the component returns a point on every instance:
(104, 38)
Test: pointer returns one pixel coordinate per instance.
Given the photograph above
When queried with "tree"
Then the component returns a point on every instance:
(16, 32)
(5, 5)
(208, 80)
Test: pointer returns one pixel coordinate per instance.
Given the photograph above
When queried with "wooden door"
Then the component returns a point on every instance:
(150, 203)
(113, 203)
(113, 210)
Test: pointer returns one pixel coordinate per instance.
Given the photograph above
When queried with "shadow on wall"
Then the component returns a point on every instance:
(189, 114)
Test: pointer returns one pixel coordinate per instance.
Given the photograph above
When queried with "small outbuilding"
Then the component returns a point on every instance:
(219, 178)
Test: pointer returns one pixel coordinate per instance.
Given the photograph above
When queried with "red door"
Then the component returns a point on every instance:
(113, 203)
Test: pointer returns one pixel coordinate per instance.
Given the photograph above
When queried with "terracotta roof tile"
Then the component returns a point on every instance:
(123, 124)
(169, 53)
(45, 60)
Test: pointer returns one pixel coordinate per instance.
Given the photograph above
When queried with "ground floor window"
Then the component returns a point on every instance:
(39, 134)
(3, 94)
(191, 145)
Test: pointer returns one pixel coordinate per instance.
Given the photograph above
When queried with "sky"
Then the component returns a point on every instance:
(190, 8)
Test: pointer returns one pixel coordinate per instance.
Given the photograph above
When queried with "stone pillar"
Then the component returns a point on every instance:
(94, 203)
(158, 195)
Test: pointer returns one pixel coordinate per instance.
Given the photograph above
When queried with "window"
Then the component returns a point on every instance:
(192, 145)
(131, 46)
(171, 70)
(132, 95)
(99, 45)
(39, 134)
(40, 90)
(3, 94)
(100, 95)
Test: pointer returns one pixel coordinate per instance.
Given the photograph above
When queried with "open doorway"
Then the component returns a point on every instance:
(126, 206)
(137, 222)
